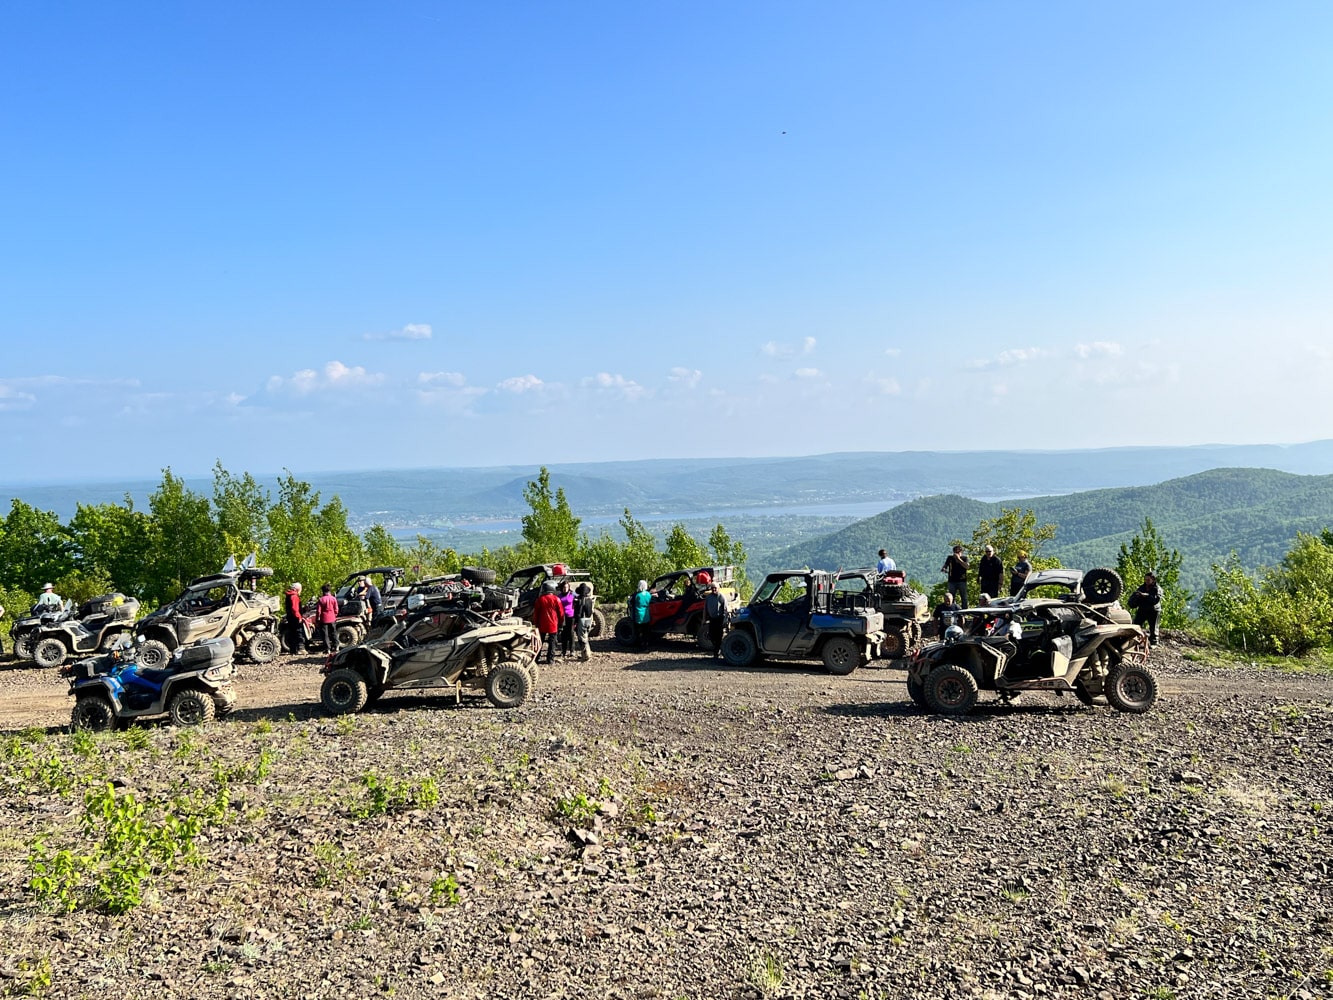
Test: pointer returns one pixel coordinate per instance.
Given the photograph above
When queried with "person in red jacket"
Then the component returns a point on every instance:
(546, 616)
(326, 618)
(293, 628)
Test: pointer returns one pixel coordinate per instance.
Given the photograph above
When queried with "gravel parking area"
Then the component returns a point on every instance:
(663, 826)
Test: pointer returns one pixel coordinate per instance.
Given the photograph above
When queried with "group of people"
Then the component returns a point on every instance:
(715, 610)
(297, 631)
(564, 615)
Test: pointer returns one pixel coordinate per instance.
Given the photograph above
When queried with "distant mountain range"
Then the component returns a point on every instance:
(1256, 512)
(433, 499)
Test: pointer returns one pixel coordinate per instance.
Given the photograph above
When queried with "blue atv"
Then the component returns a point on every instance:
(193, 687)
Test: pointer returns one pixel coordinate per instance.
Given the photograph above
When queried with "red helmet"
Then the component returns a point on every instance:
(702, 578)
(558, 569)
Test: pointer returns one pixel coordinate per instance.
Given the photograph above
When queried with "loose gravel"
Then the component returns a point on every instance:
(663, 826)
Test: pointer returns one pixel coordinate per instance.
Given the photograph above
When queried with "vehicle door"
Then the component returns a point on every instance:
(432, 644)
(781, 611)
(206, 614)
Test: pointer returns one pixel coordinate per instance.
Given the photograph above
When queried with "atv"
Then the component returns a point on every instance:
(794, 615)
(473, 588)
(1041, 645)
(95, 627)
(222, 604)
(677, 606)
(1098, 588)
(528, 582)
(439, 645)
(192, 687)
(105, 609)
(904, 609)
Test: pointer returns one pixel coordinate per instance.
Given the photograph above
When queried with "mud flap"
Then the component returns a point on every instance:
(1062, 648)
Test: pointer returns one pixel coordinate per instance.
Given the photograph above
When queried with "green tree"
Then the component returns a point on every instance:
(309, 542)
(1146, 551)
(35, 548)
(382, 549)
(682, 550)
(114, 543)
(183, 539)
(730, 552)
(1288, 610)
(550, 529)
(240, 508)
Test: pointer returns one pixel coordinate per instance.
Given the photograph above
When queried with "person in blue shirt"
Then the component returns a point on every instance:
(885, 564)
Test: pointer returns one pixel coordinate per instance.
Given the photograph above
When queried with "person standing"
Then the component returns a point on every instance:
(583, 621)
(546, 614)
(567, 603)
(293, 625)
(715, 611)
(1147, 605)
(885, 564)
(989, 572)
(326, 616)
(639, 614)
(955, 568)
(374, 598)
(1019, 574)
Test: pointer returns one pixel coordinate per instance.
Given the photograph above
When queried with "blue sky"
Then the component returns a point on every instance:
(324, 236)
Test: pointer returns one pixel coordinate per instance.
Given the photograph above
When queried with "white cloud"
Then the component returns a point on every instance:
(615, 383)
(441, 378)
(412, 331)
(1009, 358)
(773, 349)
(893, 352)
(806, 373)
(886, 386)
(334, 376)
(13, 399)
(520, 383)
(1099, 349)
(685, 376)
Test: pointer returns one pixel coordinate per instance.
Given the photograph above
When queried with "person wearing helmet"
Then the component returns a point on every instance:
(49, 598)
(639, 613)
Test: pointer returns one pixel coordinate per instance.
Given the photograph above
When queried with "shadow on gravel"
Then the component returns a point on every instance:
(985, 711)
(710, 665)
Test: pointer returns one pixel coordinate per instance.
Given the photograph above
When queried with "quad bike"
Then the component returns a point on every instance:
(1043, 645)
(93, 612)
(84, 632)
(437, 647)
(193, 687)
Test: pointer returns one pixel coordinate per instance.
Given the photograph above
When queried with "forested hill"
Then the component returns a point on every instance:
(1257, 512)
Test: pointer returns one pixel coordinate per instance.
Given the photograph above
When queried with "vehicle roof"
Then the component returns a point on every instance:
(1038, 577)
(382, 570)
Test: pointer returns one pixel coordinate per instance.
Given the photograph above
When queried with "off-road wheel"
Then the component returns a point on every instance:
(702, 638)
(153, 654)
(349, 635)
(94, 713)
(23, 645)
(507, 686)
(598, 626)
(109, 642)
(841, 655)
(625, 631)
(1102, 586)
(739, 649)
(263, 647)
(49, 653)
(895, 644)
(343, 692)
(534, 672)
(917, 692)
(478, 575)
(951, 690)
(1131, 688)
(191, 707)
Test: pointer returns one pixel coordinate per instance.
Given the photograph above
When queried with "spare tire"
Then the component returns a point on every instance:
(1102, 586)
(476, 574)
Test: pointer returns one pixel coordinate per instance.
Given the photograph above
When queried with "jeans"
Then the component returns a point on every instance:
(582, 633)
(328, 632)
(550, 639)
(959, 590)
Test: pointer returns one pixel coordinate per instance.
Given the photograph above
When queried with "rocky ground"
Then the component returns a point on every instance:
(659, 826)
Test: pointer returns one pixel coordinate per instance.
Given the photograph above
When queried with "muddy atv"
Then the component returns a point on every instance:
(473, 588)
(193, 686)
(905, 610)
(528, 582)
(1042, 645)
(211, 607)
(677, 606)
(437, 647)
(94, 613)
(95, 626)
(794, 615)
